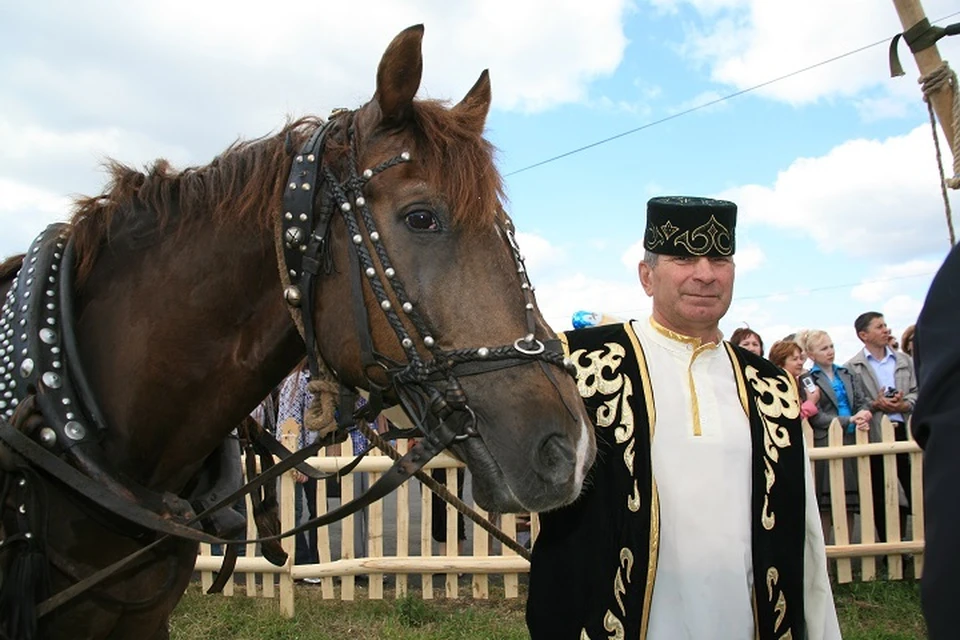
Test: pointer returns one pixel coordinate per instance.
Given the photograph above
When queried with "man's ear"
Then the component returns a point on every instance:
(646, 277)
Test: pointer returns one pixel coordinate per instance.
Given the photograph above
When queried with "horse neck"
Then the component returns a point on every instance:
(181, 341)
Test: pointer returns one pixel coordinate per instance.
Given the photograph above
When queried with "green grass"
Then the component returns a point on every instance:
(867, 611)
(410, 618)
(880, 610)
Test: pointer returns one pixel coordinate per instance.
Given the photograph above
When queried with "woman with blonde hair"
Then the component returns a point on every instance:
(842, 398)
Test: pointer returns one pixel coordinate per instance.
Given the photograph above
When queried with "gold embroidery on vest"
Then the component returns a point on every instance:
(624, 432)
(775, 399)
(629, 455)
(612, 624)
(583, 635)
(710, 236)
(590, 376)
(597, 373)
(779, 602)
(623, 578)
(633, 502)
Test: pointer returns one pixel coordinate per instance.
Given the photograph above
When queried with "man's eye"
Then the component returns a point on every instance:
(422, 221)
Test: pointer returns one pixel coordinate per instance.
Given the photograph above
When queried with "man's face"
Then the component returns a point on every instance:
(876, 334)
(690, 295)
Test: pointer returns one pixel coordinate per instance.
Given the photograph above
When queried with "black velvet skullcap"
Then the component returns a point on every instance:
(686, 226)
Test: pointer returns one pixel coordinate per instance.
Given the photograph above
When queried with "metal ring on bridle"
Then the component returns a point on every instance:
(470, 431)
(537, 349)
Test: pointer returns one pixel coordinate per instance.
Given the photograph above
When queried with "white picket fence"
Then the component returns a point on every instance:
(400, 550)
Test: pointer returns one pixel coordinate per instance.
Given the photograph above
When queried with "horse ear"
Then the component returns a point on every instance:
(476, 104)
(398, 76)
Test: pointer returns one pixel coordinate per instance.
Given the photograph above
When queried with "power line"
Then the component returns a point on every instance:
(711, 102)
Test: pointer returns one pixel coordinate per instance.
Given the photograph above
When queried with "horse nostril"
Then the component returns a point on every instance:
(555, 460)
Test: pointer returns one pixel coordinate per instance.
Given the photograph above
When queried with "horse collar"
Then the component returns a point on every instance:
(36, 329)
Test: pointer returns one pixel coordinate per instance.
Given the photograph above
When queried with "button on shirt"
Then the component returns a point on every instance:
(886, 372)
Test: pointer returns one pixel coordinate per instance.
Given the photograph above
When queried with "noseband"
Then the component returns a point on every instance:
(306, 254)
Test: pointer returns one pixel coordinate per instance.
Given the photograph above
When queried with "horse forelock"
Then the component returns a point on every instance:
(457, 158)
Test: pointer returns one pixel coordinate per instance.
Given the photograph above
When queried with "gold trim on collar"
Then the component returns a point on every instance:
(699, 347)
(653, 556)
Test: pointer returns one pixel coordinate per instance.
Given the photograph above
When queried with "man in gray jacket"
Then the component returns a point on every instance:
(889, 379)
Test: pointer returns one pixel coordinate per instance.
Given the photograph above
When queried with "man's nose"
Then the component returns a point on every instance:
(704, 270)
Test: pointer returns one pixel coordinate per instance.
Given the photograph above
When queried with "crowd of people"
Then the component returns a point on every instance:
(877, 380)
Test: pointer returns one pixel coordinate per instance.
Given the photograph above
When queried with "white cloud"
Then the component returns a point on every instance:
(749, 258)
(633, 255)
(539, 254)
(559, 299)
(747, 42)
(888, 278)
(117, 57)
(871, 199)
(900, 312)
(24, 211)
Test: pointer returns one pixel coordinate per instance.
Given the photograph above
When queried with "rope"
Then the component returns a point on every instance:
(442, 491)
(940, 79)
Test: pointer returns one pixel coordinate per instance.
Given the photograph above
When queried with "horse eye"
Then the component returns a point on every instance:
(422, 221)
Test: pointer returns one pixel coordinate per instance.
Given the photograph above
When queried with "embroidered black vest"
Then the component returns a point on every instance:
(595, 561)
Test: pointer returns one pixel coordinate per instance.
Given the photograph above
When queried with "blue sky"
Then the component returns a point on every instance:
(833, 169)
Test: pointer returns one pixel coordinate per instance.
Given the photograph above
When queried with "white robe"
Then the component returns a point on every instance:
(704, 582)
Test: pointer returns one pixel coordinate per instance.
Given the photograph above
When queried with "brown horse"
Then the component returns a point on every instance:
(183, 326)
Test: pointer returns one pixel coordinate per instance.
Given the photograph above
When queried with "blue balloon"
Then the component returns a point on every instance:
(583, 319)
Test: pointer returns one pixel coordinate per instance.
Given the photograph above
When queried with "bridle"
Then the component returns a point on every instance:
(305, 257)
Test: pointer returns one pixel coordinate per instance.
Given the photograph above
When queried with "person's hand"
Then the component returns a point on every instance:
(862, 419)
(298, 477)
(904, 407)
(890, 404)
(814, 396)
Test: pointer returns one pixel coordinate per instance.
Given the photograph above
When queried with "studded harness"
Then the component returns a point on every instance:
(39, 359)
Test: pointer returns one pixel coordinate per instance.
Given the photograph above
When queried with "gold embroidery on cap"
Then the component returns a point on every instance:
(709, 237)
(668, 229)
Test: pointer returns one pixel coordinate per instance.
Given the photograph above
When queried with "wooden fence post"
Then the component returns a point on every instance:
(868, 565)
(289, 437)
(838, 502)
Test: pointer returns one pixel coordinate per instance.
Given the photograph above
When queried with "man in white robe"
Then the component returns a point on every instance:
(700, 520)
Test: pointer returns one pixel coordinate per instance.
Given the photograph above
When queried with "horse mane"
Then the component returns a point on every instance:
(10, 267)
(245, 182)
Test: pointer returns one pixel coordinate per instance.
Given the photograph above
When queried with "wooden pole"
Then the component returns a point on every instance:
(911, 12)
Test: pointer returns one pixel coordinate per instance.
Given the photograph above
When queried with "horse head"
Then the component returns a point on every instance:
(433, 304)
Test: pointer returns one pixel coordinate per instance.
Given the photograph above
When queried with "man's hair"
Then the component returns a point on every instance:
(864, 319)
(650, 258)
